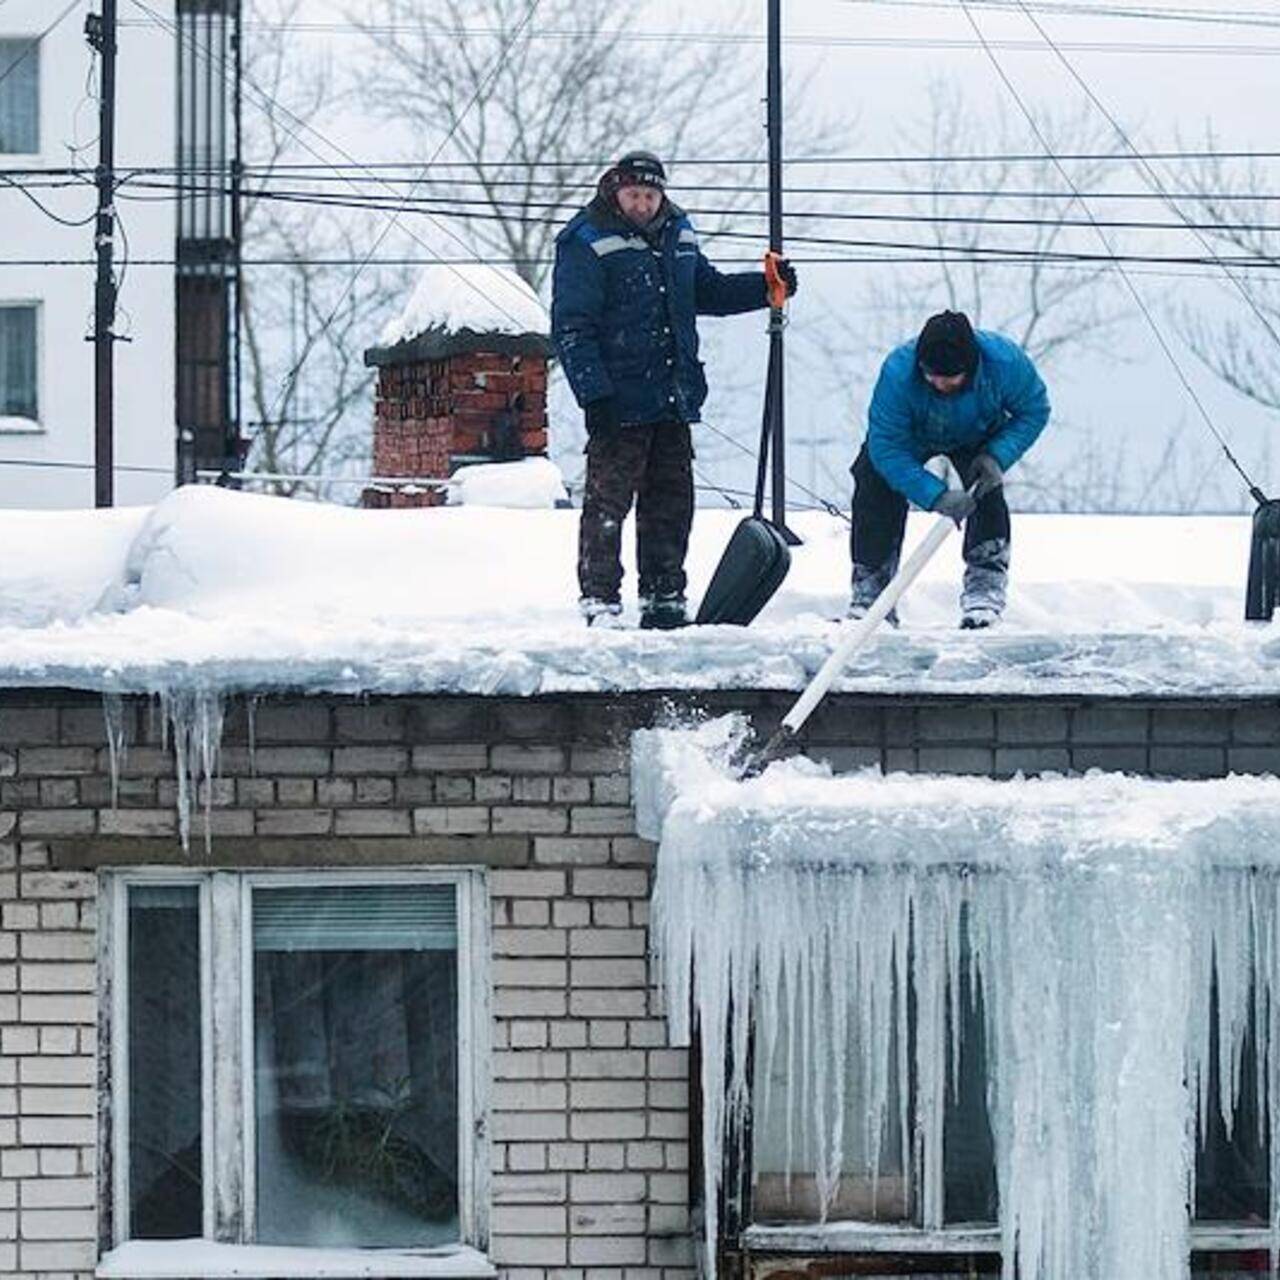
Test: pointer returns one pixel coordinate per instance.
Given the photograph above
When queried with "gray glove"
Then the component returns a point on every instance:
(955, 504)
(985, 474)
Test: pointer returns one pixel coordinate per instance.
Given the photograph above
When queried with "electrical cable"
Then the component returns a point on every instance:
(272, 104)
(1157, 185)
(48, 213)
(486, 80)
(1102, 236)
(446, 206)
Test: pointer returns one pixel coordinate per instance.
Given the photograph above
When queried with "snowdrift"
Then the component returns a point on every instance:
(217, 589)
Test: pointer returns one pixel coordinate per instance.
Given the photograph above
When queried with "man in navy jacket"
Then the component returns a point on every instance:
(629, 284)
(974, 398)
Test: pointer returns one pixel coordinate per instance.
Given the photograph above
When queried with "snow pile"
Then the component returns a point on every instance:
(531, 483)
(471, 297)
(54, 565)
(1093, 914)
(217, 590)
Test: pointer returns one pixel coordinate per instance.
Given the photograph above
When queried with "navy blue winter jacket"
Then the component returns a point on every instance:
(624, 310)
(1001, 411)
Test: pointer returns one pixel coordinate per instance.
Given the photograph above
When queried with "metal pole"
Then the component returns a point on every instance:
(237, 230)
(775, 392)
(102, 35)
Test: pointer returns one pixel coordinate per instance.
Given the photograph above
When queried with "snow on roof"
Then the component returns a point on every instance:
(474, 297)
(220, 590)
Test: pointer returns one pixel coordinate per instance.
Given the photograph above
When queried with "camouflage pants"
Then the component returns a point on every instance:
(880, 521)
(650, 464)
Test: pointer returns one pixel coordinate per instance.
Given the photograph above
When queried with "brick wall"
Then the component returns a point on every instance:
(429, 412)
(589, 1121)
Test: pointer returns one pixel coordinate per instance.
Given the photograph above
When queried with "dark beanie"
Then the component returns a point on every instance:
(946, 345)
(641, 169)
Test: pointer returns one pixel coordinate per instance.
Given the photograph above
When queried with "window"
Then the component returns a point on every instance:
(20, 96)
(900, 1205)
(296, 1059)
(19, 361)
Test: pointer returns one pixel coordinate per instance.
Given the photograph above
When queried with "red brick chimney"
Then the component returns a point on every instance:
(449, 397)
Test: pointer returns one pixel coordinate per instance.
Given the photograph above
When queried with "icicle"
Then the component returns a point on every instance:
(251, 720)
(195, 717)
(1091, 919)
(117, 747)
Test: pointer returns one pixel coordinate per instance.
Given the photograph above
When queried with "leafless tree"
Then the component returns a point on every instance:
(305, 325)
(527, 99)
(993, 238)
(1238, 339)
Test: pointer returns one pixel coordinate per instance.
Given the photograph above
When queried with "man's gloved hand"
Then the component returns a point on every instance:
(602, 418)
(788, 274)
(955, 504)
(985, 474)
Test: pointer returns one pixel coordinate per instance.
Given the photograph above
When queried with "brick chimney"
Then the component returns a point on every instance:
(450, 396)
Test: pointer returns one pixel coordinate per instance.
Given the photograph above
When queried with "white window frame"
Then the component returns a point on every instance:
(226, 1000)
(35, 426)
(32, 38)
(934, 1239)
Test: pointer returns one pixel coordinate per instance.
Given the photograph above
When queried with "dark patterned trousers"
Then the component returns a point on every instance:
(650, 464)
(880, 522)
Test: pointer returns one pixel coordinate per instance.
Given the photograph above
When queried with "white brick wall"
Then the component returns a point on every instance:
(48, 1069)
(588, 1108)
(590, 1105)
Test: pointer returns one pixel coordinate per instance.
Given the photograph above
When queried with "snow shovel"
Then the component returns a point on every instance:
(1263, 594)
(856, 636)
(757, 558)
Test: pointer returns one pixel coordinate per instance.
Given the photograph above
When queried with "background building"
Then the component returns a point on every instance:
(173, 366)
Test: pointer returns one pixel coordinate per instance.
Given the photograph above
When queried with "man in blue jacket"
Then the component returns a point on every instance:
(974, 398)
(629, 284)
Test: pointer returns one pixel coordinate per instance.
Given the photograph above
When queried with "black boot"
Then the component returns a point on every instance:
(663, 611)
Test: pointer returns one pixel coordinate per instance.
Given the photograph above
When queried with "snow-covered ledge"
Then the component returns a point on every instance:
(207, 1260)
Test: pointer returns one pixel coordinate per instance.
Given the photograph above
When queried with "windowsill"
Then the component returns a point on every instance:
(877, 1237)
(207, 1260)
(871, 1237)
(11, 426)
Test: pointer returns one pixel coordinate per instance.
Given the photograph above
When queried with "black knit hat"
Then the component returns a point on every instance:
(641, 169)
(946, 345)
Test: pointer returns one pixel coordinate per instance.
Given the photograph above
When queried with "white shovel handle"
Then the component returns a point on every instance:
(861, 631)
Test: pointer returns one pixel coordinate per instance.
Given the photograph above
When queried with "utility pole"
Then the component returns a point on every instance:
(775, 398)
(100, 31)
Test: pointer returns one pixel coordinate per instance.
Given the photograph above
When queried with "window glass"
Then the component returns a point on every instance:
(1232, 1163)
(879, 1177)
(355, 1013)
(18, 362)
(165, 1185)
(19, 96)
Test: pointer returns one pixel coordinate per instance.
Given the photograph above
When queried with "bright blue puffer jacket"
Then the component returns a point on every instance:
(624, 311)
(1001, 412)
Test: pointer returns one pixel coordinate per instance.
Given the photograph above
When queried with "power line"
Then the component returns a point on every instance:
(1197, 229)
(486, 80)
(1148, 12)
(1124, 275)
(821, 40)
(509, 211)
(596, 164)
(1132, 12)
(272, 104)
